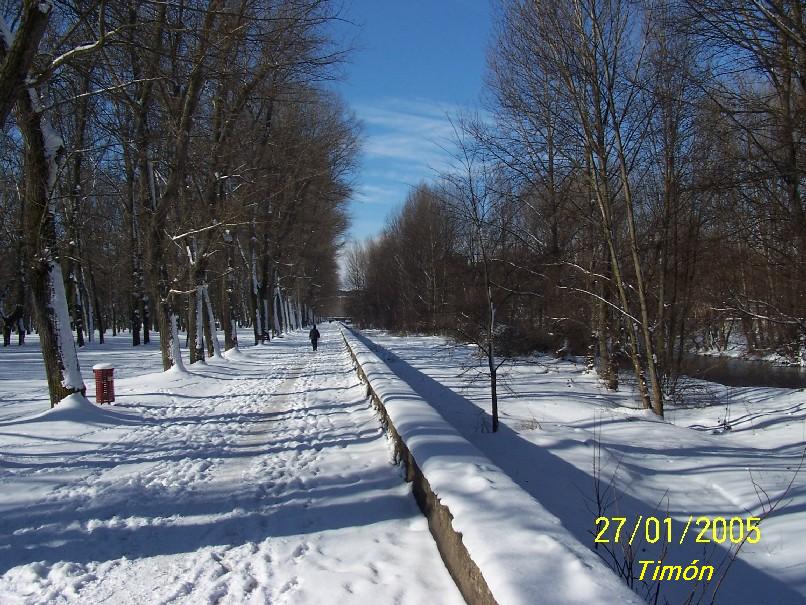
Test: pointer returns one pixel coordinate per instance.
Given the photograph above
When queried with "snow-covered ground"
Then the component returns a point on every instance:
(262, 478)
(557, 420)
(265, 477)
(523, 552)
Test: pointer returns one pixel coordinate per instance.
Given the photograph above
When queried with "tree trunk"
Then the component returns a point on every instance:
(15, 319)
(42, 149)
(229, 305)
(16, 59)
(608, 367)
(99, 316)
(213, 346)
(649, 355)
(491, 362)
(135, 264)
(73, 202)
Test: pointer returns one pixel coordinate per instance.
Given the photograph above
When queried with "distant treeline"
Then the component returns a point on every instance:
(635, 190)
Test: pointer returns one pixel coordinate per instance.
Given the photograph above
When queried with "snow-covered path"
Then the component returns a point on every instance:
(260, 479)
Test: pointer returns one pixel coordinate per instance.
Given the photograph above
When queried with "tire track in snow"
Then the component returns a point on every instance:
(244, 572)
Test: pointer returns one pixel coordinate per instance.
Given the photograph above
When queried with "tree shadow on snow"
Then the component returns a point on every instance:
(567, 491)
(136, 520)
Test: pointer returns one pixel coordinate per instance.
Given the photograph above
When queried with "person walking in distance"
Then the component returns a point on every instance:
(314, 336)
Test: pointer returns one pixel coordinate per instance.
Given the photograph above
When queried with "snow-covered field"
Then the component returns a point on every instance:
(265, 477)
(557, 421)
(262, 478)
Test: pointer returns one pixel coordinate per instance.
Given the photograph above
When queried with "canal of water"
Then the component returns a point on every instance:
(744, 373)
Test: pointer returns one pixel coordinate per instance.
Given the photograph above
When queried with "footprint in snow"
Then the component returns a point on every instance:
(301, 550)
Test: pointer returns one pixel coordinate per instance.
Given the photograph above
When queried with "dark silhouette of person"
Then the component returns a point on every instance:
(314, 336)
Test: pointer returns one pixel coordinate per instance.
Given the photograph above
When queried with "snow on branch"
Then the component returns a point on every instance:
(216, 225)
(105, 90)
(604, 300)
(85, 49)
(584, 270)
(778, 19)
(783, 318)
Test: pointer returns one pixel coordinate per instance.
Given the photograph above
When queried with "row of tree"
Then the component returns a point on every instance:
(636, 191)
(168, 163)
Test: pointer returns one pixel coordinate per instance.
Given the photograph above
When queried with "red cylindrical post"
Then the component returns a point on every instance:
(104, 382)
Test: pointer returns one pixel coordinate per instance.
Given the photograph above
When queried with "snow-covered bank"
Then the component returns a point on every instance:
(522, 550)
(737, 347)
(553, 417)
(261, 478)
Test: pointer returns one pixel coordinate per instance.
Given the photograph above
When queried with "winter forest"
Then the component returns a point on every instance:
(566, 366)
(165, 166)
(634, 194)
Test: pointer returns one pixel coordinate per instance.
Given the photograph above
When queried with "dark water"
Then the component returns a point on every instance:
(744, 373)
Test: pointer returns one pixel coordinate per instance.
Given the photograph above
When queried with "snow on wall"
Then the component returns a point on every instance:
(522, 550)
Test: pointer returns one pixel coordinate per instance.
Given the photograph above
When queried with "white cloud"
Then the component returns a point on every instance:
(408, 135)
(406, 142)
(376, 194)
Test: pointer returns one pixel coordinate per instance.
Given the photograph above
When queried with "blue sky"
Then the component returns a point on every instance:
(416, 62)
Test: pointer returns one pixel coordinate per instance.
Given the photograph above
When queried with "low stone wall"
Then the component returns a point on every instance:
(463, 569)
(500, 544)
